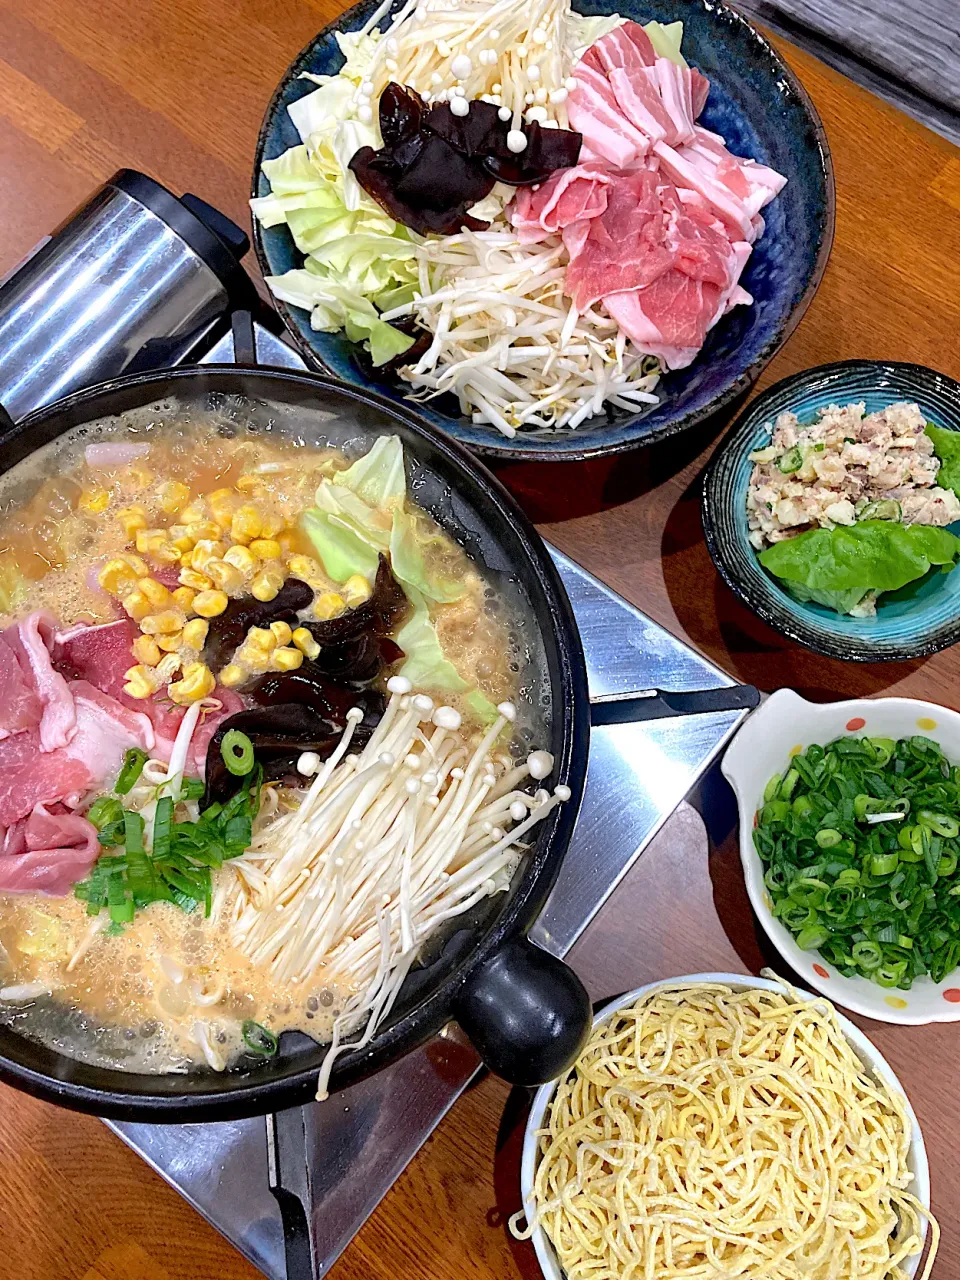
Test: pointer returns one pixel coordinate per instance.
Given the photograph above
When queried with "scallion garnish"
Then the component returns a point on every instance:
(133, 763)
(861, 847)
(258, 1039)
(237, 751)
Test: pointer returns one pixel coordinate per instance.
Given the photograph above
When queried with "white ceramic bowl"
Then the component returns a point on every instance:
(779, 729)
(867, 1052)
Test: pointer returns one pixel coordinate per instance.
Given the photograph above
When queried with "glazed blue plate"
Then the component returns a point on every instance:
(919, 619)
(758, 105)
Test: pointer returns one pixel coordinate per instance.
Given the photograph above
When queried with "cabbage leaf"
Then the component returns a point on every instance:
(666, 38)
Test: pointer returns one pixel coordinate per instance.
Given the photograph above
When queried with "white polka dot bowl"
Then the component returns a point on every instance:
(868, 1053)
(783, 726)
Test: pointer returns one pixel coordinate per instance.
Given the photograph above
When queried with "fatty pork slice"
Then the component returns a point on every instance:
(623, 248)
(592, 110)
(47, 851)
(569, 195)
(30, 642)
(20, 705)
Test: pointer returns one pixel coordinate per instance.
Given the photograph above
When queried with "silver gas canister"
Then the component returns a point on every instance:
(137, 279)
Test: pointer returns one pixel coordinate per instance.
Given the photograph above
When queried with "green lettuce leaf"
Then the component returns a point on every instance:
(875, 555)
(946, 445)
(378, 477)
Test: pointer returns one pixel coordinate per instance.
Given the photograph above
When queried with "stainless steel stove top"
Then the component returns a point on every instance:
(360, 1140)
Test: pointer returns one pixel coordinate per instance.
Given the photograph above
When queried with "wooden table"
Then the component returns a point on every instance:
(178, 89)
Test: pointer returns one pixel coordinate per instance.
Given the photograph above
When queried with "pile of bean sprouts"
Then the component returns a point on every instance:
(509, 344)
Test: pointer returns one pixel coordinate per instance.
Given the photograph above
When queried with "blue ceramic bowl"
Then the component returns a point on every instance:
(758, 105)
(919, 619)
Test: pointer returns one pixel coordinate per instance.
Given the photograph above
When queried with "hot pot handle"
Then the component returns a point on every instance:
(527, 1013)
(658, 704)
(6, 422)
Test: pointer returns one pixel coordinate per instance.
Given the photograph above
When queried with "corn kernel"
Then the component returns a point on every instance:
(266, 585)
(171, 643)
(261, 638)
(307, 570)
(305, 642)
(287, 539)
(246, 524)
(133, 520)
(196, 581)
(155, 592)
(117, 577)
(195, 633)
(232, 675)
(282, 632)
(150, 540)
(167, 553)
(255, 660)
(272, 525)
(206, 549)
(182, 542)
(209, 604)
(164, 623)
(247, 484)
(183, 596)
(137, 605)
(141, 682)
(201, 529)
(197, 683)
(241, 559)
(225, 576)
(146, 651)
(220, 497)
(328, 605)
(173, 496)
(138, 566)
(168, 666)
(266, 549)
(286, 659)
(194, 512)
(94, 500)
(356, 589)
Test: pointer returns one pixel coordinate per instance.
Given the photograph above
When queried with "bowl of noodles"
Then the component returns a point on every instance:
(692, 1134)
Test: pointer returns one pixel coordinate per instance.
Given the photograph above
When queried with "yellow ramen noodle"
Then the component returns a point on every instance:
(721, 1134)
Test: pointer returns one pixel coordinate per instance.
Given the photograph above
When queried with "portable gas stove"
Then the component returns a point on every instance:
(154, 282)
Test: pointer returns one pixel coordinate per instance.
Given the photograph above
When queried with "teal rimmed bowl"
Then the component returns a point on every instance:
(921, 618)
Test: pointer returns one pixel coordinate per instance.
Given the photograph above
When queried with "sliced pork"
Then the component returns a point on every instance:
(47, 851)
(20, 706)
(30, 641)
(568, 196)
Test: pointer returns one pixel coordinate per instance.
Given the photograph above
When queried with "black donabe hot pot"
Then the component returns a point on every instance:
(525, 1011)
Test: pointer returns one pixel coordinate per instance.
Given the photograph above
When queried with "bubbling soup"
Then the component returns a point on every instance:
(265, 729)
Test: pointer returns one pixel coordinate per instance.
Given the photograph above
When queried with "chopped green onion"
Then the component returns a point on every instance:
(191, 789)
(133, 763)
(258, 1039)
(791, 461)
(237, 751)
(884, 864)
(828, 837)
(104, 812)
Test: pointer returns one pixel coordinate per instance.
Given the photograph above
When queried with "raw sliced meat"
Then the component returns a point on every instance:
(683, 169)
(593, 111)
(29, 777)
(675, 87)
(20, 706)
(638, 97)
(569, 195)
(627, 46)
(624, 248)
(627, 310)
(30, 641)
(47, 852)
(699, 89)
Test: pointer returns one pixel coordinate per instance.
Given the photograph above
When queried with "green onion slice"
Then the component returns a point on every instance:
(258, 1039)
(133, 763)
(237, 751)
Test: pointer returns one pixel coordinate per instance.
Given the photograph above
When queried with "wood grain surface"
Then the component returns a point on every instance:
(177, 88)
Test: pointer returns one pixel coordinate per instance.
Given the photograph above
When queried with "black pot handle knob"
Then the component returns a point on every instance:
(527, 1013)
